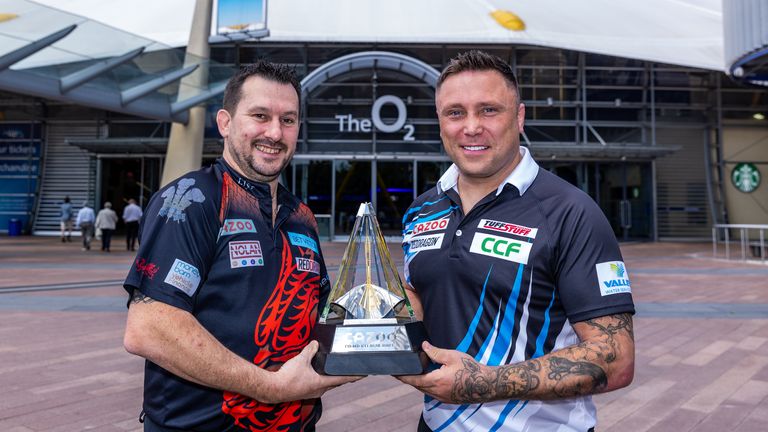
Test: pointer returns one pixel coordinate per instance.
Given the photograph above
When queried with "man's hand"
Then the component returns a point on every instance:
(460, 379)
(297, 380)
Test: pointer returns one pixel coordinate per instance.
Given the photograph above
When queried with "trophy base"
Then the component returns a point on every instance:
(335, 358)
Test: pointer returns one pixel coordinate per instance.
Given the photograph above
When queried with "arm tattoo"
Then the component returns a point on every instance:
(567, 377)
(612, 326)
(139, 297)
(473, 385)
(581, 373)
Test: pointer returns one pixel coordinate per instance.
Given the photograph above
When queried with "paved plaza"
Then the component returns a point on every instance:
(701, 332)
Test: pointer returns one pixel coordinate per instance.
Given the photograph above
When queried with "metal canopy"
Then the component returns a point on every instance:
(146, 146)
(77, 63)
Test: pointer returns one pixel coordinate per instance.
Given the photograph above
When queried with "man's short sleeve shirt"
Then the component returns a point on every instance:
(208, 247)
(505, 282)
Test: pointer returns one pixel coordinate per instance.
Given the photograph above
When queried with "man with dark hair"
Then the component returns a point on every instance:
(219, 305)
(531, 305)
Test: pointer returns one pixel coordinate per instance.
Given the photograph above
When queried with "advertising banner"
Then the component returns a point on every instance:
(20, 150)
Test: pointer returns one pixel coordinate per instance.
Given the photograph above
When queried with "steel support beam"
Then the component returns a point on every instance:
(214, 90)
(136, 92)
(76, 79)
(19, 54)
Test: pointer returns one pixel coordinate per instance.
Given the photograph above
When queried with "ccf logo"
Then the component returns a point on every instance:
(501, 247)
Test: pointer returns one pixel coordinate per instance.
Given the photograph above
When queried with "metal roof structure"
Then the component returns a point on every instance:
(50, 53)
(127, 56)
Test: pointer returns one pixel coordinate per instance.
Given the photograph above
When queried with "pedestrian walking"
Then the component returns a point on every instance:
(85, 221)
(65, 218)
(106, 221)
(131, 216)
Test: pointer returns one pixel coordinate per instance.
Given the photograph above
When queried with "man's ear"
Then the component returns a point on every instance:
(223, 119)
(521, 117)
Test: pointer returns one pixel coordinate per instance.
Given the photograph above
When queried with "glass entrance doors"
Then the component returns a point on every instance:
(334, 189)
(623, 190)
(121, 179)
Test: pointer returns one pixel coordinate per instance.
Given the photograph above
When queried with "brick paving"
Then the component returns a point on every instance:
(701, 331)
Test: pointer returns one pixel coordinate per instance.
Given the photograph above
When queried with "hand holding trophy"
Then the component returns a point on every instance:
(367, 326)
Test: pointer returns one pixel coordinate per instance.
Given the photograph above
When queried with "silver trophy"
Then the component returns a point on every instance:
(367, 326)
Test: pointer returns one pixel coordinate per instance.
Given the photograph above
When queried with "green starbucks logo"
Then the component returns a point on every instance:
(745, 177)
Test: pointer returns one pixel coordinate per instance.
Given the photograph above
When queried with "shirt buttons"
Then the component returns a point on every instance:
(458, 233)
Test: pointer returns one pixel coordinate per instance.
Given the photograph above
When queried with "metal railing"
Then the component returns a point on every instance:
(757, 246)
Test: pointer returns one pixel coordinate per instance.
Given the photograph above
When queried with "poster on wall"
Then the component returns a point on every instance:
(238, 20)
(745, 177)
(20, 147)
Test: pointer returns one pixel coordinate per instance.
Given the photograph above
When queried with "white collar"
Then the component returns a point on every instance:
(521, 177)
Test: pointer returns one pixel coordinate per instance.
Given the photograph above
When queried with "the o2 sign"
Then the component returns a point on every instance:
(347, 123)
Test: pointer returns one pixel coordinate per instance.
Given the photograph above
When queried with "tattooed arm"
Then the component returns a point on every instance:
(603, 361)
(173, 339)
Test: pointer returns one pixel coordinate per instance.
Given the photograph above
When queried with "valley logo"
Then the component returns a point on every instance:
(613, 278)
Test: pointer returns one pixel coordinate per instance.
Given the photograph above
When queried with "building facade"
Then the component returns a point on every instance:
(649, 142)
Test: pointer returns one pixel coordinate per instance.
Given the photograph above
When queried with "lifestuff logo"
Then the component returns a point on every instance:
(428, 226)
(183, 276)
(245, 254)
(507, 227)
(501, 247)
(308, 265)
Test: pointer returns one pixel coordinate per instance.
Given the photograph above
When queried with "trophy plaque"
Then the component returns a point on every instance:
(367, 326)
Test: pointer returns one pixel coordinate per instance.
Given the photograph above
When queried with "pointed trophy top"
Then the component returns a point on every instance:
(368, 285)
(365, 209)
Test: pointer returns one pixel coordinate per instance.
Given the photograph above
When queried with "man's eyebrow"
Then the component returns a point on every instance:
(259, 108)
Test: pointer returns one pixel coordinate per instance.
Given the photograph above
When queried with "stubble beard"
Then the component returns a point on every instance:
(250, 167)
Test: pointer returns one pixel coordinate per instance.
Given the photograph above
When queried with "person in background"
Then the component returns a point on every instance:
(131, 216)
(106, 221)
(65, 218)
(85, 221)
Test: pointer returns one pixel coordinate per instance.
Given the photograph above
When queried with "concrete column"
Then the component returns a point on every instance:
(185, 146)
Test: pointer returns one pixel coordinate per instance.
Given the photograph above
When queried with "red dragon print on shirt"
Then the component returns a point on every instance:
(282, 331)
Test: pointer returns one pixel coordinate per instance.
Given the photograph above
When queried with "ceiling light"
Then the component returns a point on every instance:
(758, 116)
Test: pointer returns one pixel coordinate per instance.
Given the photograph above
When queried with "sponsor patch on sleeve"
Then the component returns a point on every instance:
(501, 247)
(183, 276)
(613, 278)
(301, 240)
(245, 254)
(507, 227)
(236, 226)
(427, 242)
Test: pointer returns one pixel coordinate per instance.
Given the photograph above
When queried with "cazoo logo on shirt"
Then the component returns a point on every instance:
(434, 225)
(501, 247)
(236, 226)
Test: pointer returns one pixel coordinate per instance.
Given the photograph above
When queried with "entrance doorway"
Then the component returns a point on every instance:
(623, 190)
(334, 189)
(121, 179)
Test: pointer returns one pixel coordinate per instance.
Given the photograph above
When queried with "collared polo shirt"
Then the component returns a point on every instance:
(505, 282)
(208, 246)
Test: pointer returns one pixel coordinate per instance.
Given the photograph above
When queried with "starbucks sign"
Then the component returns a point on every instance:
(745, 177)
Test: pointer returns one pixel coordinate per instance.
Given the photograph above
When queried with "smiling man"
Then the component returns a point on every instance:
(522, 288)
(218, 306)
